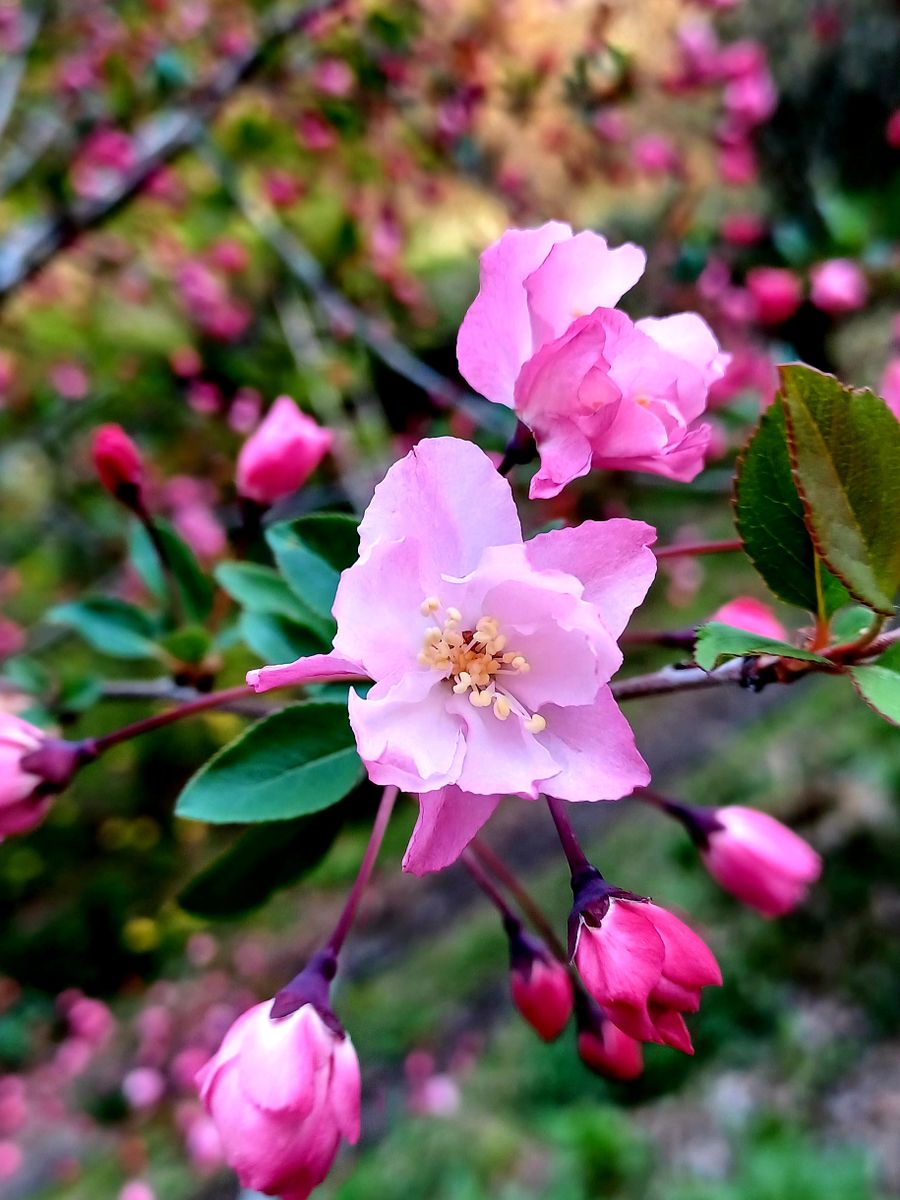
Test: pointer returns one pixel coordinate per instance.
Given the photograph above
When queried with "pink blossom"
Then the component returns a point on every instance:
(117, 462)
(230, 256)
(737, 162)
(745, 612)
(71, 380)
(21, 809)
(143, 1087)
(750, 97)
(541, 986)
(604, 1048)
(655, 154)
(12, 638)
(136, 1189)
(595, 388)
(742, 228)
(838, 286)
(490, 656)
(282, 189)
(892, 130)
(333, 77)
(759, 860)
(890, 386)
(315, 134)
(610, 125)
(11, 1159)
(777, 293)
(90, 1019)
(642, 965)
(281, 455)
(201, 529)
(203, 1144)
(8, 367)
(243, 415)
(282, 1093)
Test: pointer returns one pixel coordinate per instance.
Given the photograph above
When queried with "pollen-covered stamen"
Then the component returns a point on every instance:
(476, 660)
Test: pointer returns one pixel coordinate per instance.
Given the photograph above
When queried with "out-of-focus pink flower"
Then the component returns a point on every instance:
(892, 130)
(243, 414)
(200, 528)
(604, 1048)
(541, 986)
(595, 388)
(11, 1159)
(743, 228)
(12, 638)
(655, 154)
(230, 256)
(641, 964)
(890, 386)
(491, 657)
(203, 1144)
(314, 133)
(610, 125)
(759, 860)
(838, 286)
(750, 369)
(143, 1087)
(90, 1019)
(7, 373)
(333, 77)
(204, 397)
(282, 1093)
(136, 1189)
(105, 157)
(21, 807)
(118, 463)
(737, 163)
(185, 362)
(746, 612)
(282, 189)
(777, 293)
(70, 380)
(750, 96)
(282, 454)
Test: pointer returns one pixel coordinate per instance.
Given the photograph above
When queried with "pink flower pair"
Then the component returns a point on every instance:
(597, 389)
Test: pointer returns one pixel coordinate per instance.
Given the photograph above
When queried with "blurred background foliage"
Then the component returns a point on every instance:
(375, 153)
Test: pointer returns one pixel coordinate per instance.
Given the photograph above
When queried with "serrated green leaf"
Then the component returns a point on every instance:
(771, 522)
(311, 552)
(261, 589)
(276, 639)
(297, 761)
(194, 585)
(262, 861)
(845, 450)
(717, 641)
(878, 684)
(110, 626)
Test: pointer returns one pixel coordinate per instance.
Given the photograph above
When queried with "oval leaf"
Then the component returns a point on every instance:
(311, 552)
(110, 626)
(261, 589)
(297, 761)
(879, 684)
(716, 641)
(194, 585)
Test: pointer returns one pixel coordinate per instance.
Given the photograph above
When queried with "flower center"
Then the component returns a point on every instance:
(477, 662)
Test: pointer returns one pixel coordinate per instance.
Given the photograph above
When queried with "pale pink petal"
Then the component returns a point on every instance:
(687, 336)
(612, 559)
(276, 1066)
(578, 276)
(446, 497)
(315, 668)
(230, 1047)
(406, 734)
(501, 756)
(565, 455)
(448, 820)
(682, 462)
(594, 747)
(495, 337)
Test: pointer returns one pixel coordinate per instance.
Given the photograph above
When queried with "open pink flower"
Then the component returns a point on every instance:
(491, 657)
(282, 1093)
(282, 453)
(597, 390)
(759, 860)
(641, 964)
(21, 809)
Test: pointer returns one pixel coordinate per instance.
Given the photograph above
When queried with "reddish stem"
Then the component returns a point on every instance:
(379, 827)
(683, 549)
(575, 856)
(213, 700)
(523, 898)
(481, 877)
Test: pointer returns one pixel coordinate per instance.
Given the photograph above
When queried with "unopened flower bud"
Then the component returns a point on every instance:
(33, 767)
(282, 453)
(118, 464)
(541, 986)
(603, 1047)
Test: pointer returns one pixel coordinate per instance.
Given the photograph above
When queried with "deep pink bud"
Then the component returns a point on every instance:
(282, 453)
(282, 1092)
(759, 860)
(604, 1048)
(118, 464)
(541, 986)
(892, 130)
(21, 809)
(641, 964)
(777, 293)
(838, 286)
(746, 612)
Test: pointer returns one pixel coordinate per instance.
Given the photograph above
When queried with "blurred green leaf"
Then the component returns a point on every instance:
(277, 639)
(771, 522)
(195, 586)
(260, 589)
(850, 624)
(110, 626)
(311, 552)
(879, 684)
(845, 450)
(716, 641)
(188, 645)
(261, 862)
(77, 695)
(297, 761)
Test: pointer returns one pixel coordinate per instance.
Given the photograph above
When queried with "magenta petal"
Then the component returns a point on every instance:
(315, 668)
(595, 749)
(495, 337)
(448, 820)
(689, 961)
(345, 1089)
(612, 559)
(621, 961)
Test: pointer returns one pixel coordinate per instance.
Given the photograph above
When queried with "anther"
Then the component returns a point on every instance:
(501, 708)
(536, 724)
(429, 606)
(453, 614)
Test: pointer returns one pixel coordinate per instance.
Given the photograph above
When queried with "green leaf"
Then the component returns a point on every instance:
(716, 641)
(262, 861)
(297, 761)
(850, 624)
(879, 684)
(191, 644)
(845, 450)
(110, 626)
(194, 585)
(261, 589)
(277, 639)
(311, 552)
(77, 695)
(771, 522)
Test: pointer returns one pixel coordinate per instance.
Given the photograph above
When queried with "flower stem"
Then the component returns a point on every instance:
(520, 450)
(345, 920)
(213, 700)
(484, 881)
(575, 856)
(523, 898)
(685, 549)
